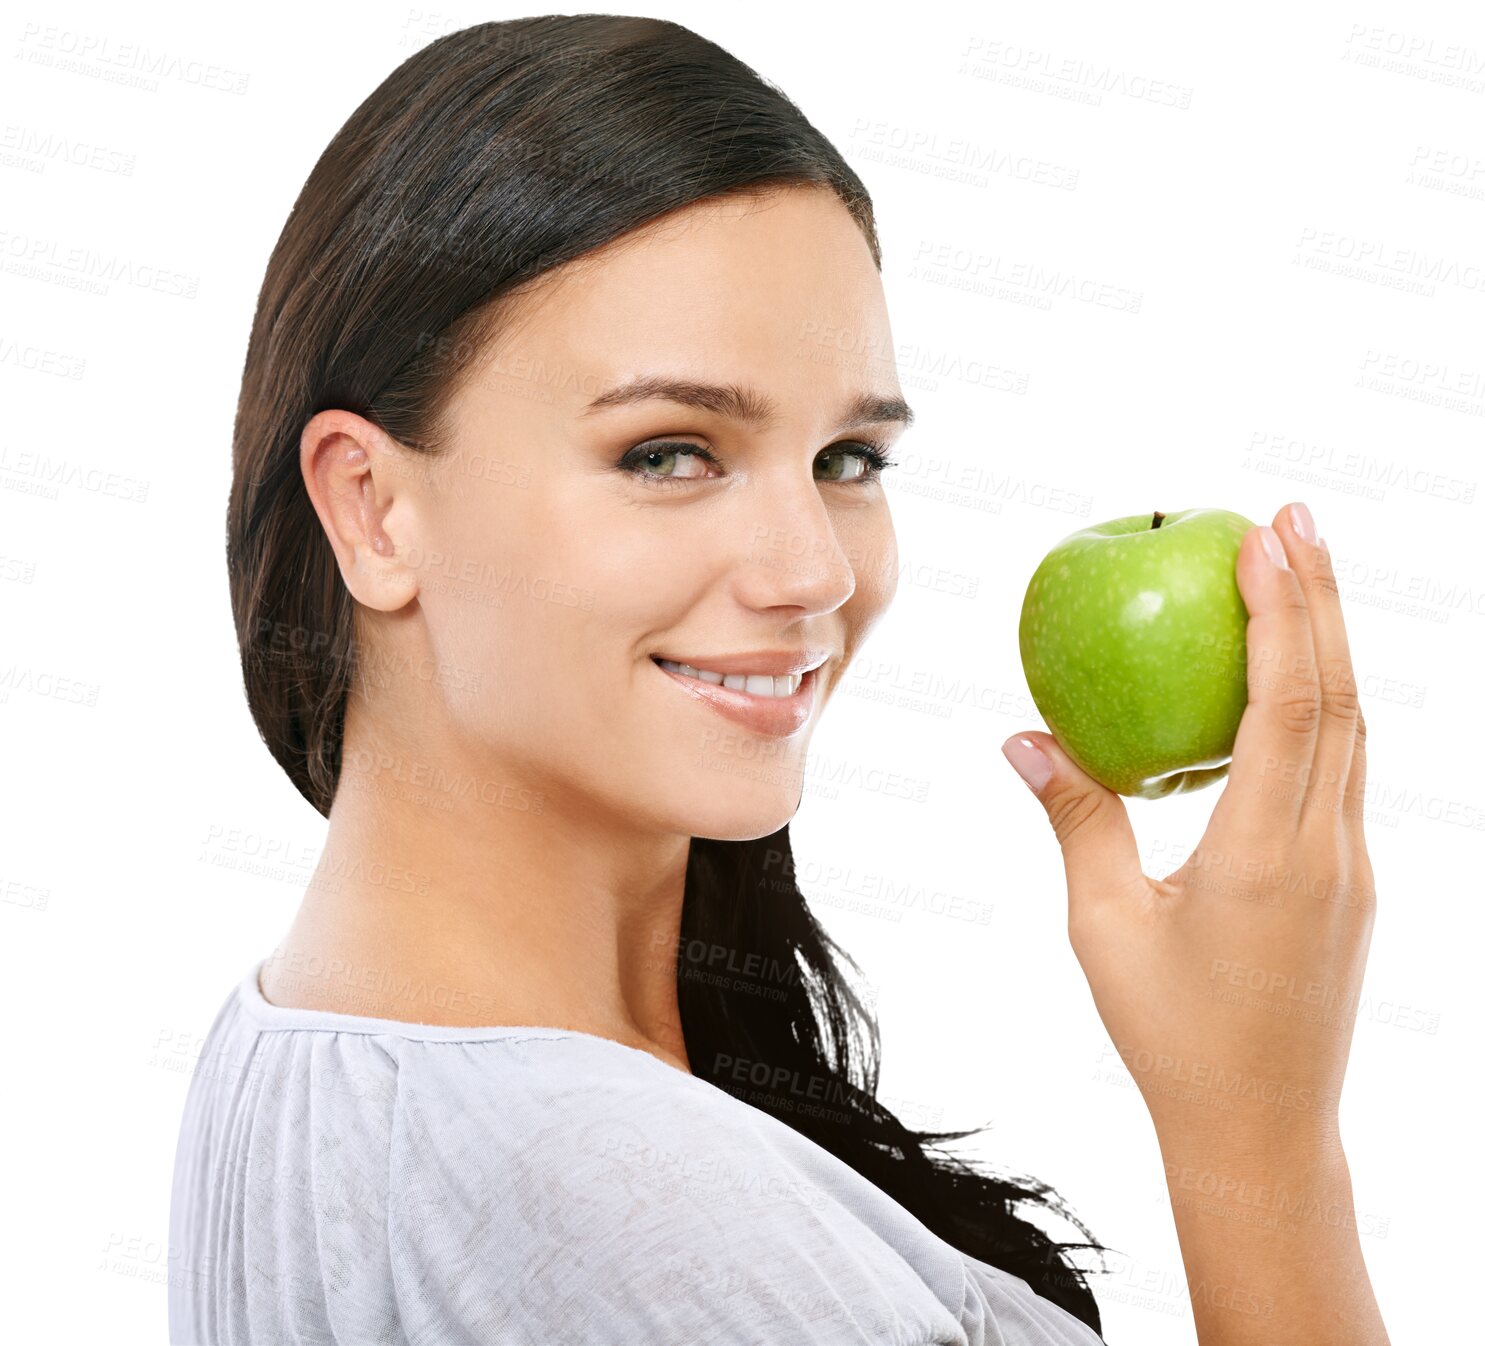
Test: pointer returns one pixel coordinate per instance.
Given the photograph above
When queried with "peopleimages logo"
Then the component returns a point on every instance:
(697, 1175)
(1231, 1084)
(100, 56)
(83, 268)
(1354, 470)
(955, 158)
(1068, 77)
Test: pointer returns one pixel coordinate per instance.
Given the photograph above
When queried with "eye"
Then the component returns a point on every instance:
(646, 460)
(871, 456)
(649, 462)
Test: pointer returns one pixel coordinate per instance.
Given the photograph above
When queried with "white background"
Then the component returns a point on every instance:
(1256, 369)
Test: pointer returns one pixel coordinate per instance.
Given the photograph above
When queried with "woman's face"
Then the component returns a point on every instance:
(578, 530)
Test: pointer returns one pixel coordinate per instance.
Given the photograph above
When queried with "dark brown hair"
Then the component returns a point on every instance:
(490, 157)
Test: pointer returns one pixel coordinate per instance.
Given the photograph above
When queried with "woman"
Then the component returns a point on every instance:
(556, 518)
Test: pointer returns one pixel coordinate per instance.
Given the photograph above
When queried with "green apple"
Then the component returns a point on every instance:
(1134, 644)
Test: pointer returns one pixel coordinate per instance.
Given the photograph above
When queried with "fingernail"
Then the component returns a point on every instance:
(1304, 524)
(1273, 547)
(1031, 763)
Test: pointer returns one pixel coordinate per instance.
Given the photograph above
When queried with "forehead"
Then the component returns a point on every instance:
(777, 291)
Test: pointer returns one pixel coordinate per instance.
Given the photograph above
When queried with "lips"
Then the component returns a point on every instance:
(769, 663)
(774, 716)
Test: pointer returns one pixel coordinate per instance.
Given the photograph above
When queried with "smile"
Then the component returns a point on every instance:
(754, 684)
(776, 705)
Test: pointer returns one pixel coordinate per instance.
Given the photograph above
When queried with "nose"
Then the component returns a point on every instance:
(794, 554)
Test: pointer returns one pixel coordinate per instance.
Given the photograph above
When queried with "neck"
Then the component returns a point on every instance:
(466, 893)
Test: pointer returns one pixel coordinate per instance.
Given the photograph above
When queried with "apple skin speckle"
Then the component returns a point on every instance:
(1133, 642)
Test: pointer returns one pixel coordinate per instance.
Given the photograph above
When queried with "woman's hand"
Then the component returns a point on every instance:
(1230, 987)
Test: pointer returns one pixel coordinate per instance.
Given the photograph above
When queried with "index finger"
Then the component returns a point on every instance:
(1339, 704)
(1273, 754)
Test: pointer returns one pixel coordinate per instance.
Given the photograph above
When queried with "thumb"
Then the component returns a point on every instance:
(1099, 850)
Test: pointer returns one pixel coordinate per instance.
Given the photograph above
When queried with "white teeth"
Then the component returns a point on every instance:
(754, 684)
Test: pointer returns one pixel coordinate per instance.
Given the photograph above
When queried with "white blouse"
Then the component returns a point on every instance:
(341, 1179)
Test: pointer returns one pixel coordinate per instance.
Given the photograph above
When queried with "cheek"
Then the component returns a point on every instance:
(513, 604)
(872, 546)
(563, 603)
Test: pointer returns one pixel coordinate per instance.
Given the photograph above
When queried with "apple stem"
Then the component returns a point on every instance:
(1155, 522)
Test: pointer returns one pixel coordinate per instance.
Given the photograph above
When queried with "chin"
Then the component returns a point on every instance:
(744, 811)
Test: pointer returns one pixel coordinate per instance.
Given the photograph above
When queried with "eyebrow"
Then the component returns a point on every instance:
(743, 404)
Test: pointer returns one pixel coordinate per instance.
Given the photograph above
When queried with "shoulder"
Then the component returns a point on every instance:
(587, 1129)
(994, 1296)
(610, 1196)
(542, 1185)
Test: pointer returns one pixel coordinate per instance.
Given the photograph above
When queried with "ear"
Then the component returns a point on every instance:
(353, 471)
